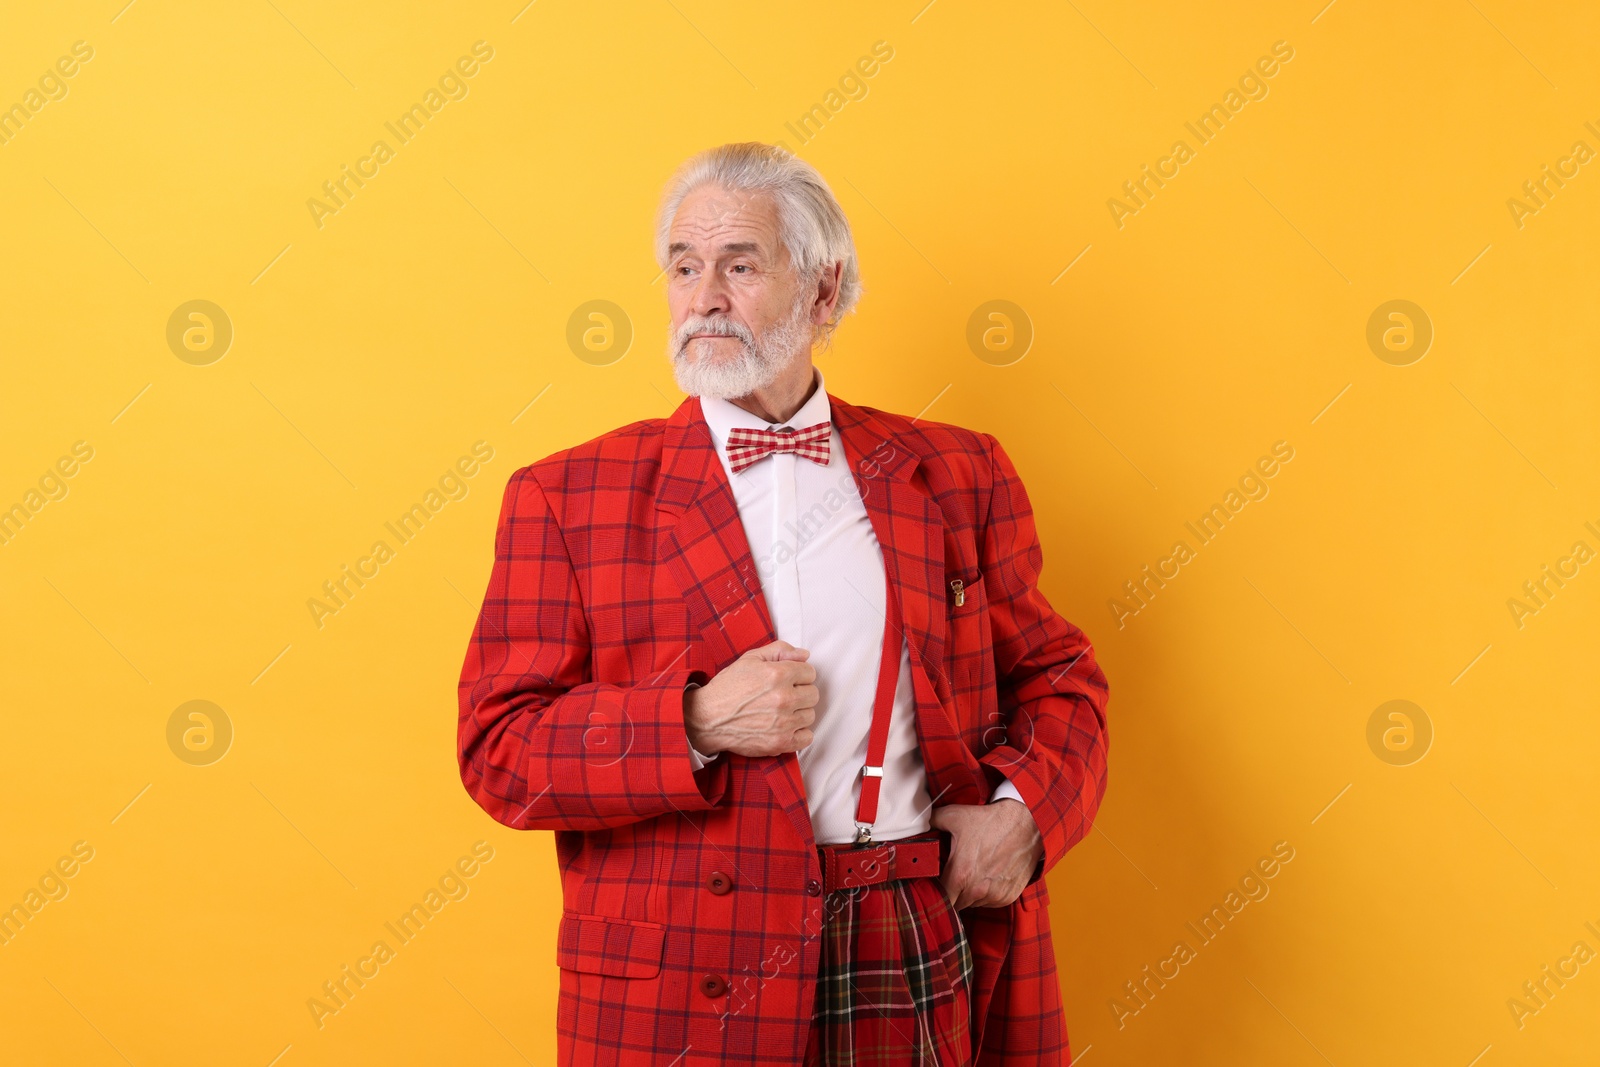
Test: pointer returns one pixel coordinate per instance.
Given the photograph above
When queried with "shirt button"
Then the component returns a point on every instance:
(719, 883)
(713, 985)
(814, 888)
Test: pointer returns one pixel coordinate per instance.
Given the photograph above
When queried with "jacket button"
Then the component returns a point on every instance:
(814, 888)
(719, 883)
(712, 985)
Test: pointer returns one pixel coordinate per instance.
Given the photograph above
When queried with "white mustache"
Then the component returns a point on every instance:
(721, 327)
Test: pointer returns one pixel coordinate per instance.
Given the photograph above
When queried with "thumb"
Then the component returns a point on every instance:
(941, 818)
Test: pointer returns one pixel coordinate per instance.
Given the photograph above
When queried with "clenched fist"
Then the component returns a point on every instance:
(761, 704)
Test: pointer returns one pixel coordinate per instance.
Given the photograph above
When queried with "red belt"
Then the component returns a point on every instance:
(853, 866)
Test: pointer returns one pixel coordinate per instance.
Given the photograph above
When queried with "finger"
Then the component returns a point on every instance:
(952, 890)
(796, 672)
(805, 698)
(776, 650)
(802, 738)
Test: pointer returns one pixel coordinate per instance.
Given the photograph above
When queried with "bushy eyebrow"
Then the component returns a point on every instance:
(732, 246)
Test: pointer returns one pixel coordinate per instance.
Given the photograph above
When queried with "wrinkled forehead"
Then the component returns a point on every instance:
(713, 221)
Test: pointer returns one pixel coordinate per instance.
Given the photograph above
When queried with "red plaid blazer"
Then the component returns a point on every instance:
(690, 932)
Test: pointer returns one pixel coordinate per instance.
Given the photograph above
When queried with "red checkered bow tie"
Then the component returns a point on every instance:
(746, 446)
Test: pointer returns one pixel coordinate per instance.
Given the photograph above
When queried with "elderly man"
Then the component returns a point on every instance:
(777, 671)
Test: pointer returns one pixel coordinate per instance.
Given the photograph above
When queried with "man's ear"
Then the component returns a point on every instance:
(827, 297)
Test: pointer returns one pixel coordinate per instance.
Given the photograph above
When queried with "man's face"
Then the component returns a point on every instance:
(739, 312)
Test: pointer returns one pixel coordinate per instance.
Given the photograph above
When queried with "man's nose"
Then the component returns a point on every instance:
(710, 296)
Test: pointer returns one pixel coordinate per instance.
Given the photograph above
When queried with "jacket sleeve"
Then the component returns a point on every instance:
(541, 744)
(1052, 693)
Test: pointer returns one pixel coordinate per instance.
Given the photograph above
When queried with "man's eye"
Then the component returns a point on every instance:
(742, 266)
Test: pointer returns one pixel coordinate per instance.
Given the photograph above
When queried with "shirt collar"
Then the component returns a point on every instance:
(723, 415)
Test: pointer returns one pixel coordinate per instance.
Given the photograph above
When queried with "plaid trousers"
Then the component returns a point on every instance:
(893, 986)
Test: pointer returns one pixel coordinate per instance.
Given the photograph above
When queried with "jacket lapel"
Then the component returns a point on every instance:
(910, 530)
(702, 543)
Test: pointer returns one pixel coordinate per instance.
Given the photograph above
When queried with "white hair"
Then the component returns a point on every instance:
(811, 224)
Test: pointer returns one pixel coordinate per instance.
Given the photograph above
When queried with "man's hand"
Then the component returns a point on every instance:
(993, 851)
(761, 704)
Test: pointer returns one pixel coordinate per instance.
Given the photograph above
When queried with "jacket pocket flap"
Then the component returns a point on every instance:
(600, 944)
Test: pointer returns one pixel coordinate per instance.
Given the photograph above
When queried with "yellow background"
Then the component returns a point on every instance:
(432, 309)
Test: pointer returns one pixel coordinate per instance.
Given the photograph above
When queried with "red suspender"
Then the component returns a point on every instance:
(882, 709)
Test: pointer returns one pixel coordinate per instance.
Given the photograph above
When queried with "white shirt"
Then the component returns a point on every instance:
(822, 576)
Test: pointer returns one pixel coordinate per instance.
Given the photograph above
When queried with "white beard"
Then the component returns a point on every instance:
(757, 366)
